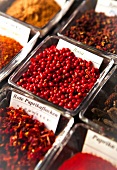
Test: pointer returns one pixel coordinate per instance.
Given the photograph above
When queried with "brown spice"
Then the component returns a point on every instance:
(8, 49)
(35, 12)
(95, 29)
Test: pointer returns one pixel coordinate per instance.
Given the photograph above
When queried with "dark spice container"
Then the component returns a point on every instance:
(92, 28)
(101, 109)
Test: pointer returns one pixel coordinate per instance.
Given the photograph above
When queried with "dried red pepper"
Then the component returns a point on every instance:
(23, 140)
(85, 161)
(8, 49)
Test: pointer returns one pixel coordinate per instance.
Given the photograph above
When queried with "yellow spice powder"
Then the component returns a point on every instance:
(35, 12)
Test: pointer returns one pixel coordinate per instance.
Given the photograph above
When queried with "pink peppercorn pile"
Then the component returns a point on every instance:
(59, 77)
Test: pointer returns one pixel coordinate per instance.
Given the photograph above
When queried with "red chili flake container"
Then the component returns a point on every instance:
(23, 140)
(8, 49)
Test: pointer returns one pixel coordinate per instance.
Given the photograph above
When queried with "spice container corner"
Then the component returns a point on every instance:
(100, 111)
(11, 46)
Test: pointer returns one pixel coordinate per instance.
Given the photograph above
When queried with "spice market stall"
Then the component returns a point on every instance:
(58, 84)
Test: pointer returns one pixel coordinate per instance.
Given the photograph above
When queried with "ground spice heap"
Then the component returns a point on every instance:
(8, 49)
(23, 140)
(35, 12)
(85, 161)
(95, 29)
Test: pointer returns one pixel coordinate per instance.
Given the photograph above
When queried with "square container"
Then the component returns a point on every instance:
(72, 145)
(77, 14)
(16, 60)
(64, 125)
(100, 111)
(47, 42)
(4, 5)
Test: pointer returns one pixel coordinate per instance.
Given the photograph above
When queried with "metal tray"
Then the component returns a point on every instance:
(44, 30)
(64, 125)
(53, 40)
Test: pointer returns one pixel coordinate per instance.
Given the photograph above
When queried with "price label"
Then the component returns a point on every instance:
(41, 112)
(14, 30)
(109, 7)
(81, 53)
(101, 146)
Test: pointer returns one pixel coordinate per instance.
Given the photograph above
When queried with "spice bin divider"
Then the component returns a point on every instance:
(47, 42)
(77, 14)
(45, 29)
(64, 125)
(72, 144)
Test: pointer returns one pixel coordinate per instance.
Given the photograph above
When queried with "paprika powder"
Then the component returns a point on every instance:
(86, 161)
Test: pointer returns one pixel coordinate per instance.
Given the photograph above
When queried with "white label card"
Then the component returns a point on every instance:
(14, 30)
(41, 112)
(61, 3)
(101, 146)
(81, 53)
(109, 7)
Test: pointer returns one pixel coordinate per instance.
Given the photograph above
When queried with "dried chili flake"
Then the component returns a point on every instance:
(23, 140)
(8, 49)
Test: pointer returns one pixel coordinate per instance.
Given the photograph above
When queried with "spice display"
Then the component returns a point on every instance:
(107, 115)
(59, 77)
(23, 140)
(8, 49)
(86, 161)
(35, 12)
(96, 30)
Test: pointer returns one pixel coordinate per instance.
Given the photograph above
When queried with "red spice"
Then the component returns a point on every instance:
(23, 140)
(59, 77)
(8, 49)
(85, 161)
